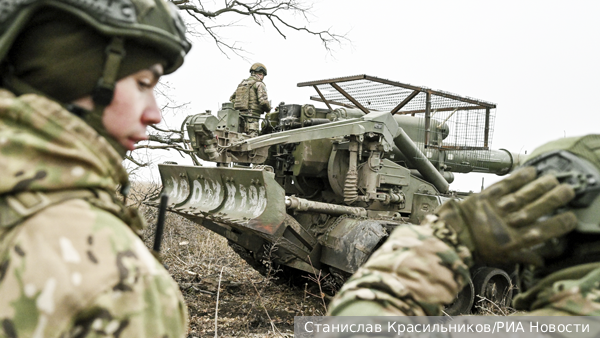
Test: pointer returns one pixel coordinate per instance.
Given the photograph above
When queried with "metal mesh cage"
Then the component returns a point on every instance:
(470, 121)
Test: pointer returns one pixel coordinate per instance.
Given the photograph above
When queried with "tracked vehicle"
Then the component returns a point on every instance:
(326, 186)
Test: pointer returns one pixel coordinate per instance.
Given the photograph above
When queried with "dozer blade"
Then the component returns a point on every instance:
(236, 196)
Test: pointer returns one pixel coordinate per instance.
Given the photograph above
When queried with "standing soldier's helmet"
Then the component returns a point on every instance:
(258, 67)
(128, 30)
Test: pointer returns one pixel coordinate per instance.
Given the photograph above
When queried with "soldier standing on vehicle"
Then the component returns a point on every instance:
(76, 94)
(251, 99)
(519, 220)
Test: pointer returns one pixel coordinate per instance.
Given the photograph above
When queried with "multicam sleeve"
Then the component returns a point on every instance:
(150, 307)
(74, 270)
(263, 98)
(414, 273)
(143, 302)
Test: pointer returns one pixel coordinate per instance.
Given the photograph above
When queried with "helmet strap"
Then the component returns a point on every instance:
(103, 93)
(105, 88)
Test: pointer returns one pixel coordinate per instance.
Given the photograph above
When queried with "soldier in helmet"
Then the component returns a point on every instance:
(543, 217)
(251, 99)
(76, 93)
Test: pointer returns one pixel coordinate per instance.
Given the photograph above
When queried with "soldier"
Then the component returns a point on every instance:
(519, 220)
(251, 99)
(76, 94)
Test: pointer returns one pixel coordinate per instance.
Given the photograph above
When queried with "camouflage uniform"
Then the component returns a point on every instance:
(413, 274)
(420, 268)
(75, 267)
(257, 101)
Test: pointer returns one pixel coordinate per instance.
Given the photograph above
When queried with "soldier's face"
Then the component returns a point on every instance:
(260, 75)
(133, 107)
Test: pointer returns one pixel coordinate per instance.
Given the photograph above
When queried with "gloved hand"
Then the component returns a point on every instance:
(502, 223)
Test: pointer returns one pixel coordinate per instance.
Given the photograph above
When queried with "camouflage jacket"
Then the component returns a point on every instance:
(75, 267)
(253, 93)
(420, 268)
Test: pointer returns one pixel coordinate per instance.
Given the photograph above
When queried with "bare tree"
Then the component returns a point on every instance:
(278, 14)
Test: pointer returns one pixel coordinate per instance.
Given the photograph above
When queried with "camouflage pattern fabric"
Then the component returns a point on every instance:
(261, 96)
(413, 274)
(75, 268)
(573, 291)
(501, 224)
(258, 100)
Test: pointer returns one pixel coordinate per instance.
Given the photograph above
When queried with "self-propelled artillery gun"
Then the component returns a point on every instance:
(327, 185)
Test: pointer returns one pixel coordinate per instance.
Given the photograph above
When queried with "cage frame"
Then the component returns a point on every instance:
(474, 104)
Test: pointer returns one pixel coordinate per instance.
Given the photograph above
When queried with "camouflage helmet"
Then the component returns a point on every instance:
(258, 67)
(155, 23)
(575, 161)
(152, 23)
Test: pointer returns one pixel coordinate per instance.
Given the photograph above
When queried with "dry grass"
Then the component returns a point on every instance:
(250, 305)
(486, 307)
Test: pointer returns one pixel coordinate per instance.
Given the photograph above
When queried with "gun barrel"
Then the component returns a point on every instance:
(416, 159)
(499, 162)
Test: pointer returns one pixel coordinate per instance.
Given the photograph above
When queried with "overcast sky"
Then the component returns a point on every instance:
(537, 60)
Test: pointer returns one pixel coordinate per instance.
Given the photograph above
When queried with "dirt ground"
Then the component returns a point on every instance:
(249, 304)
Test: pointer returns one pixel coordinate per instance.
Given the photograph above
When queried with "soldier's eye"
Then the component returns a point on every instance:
(144, 84)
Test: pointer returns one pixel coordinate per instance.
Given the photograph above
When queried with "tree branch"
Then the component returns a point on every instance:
(173, 131)
(258, 10)
(136, 162)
